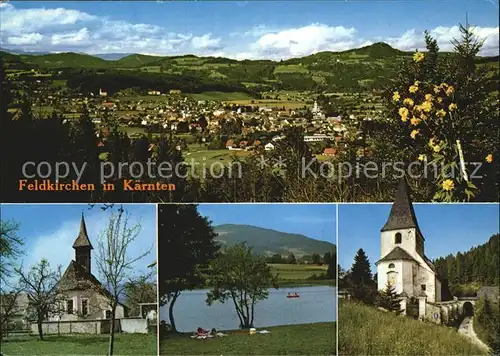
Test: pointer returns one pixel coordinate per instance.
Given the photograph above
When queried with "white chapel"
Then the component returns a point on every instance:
(403, 262)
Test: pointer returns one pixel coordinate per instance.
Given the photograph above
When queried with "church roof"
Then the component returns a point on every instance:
(402, 215)
(78, 278)
(396, 254)
(83, 239)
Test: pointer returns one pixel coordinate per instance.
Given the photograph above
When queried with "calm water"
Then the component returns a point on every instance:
(316, 304)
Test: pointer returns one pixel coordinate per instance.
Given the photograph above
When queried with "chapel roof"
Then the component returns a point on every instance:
(82, 239)
(402, 215)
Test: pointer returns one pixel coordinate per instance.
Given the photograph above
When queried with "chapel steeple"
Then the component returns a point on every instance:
(83, 247)
(402, 215)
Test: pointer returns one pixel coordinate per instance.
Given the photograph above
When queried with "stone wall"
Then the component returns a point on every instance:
(433, 313)
(98, 326)
(134, 325)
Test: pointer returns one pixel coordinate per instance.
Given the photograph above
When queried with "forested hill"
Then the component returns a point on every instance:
(366, 68)
(480, 265)
(268, 242)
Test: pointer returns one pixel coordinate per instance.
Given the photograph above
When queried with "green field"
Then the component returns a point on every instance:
(304, 339)
(365, 330)
(294, 272)
(125, 344)
(205, 158)
(220, 96)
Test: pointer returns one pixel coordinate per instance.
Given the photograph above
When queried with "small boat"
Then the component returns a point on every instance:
(296, 295)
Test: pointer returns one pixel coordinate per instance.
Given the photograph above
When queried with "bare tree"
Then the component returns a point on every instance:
(10, 249)
(114, 263)
(40, 284)
(8, 306)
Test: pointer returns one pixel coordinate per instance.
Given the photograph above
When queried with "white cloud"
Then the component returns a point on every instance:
(26, 39)
(26, 20)
(206, 42)
(413, 39)
(76, 38)
(305, 40)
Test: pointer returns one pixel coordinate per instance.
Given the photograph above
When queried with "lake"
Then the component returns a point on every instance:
(316, 304)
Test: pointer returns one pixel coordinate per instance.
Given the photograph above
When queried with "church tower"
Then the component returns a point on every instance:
(403, 263)
(83, 247)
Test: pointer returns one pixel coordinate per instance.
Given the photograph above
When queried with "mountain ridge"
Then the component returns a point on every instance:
(267, 242)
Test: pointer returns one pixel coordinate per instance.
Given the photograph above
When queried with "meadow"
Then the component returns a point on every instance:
(82, 344)
(302, 339)
(295, 272)
(365, 330)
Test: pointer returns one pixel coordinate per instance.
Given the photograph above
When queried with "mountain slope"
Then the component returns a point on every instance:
(268, 242)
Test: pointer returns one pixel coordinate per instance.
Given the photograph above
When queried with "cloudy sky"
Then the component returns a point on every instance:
(49, 231)
(240, 29)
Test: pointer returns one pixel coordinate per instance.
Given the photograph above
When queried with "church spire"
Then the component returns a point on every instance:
(402, 215)
(83, 239)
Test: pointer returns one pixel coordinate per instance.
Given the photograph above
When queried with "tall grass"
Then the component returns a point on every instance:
(365, 330)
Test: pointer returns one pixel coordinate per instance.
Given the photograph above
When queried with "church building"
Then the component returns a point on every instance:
(403, 263)
(85, 297)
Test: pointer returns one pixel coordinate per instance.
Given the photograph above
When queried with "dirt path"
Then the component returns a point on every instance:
(466, 329)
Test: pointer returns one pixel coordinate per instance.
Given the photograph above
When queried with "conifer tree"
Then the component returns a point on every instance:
(390, 299)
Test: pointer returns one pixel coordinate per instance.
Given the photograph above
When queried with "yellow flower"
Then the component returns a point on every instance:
(414, 121)
(417, 83)
(403, 112)
(417, 108)
(448, 185)
(441, 113)
(443, 85)
(395, 96)
(414, 134)
(422, 157)
(423, 116)
(426, 106)
(428, 97)
(452, 107)
(413, 89)
(489, 158)
(408, 101)
(437, 89)
(439, 100)
(436, 148)
(450, 90)
(418, 57)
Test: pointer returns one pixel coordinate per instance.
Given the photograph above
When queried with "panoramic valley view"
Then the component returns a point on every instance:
(219, 101)
(411, 284)
(247, 279)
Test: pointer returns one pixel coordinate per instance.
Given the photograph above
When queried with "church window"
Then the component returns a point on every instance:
(85, 306)
(391, 265)
(422, 287)
(69, 306)
(108, 314)
(397, 238)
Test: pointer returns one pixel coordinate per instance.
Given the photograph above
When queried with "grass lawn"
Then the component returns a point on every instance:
(304, 339)
(205, 158)
(365, 330)
(125, 344)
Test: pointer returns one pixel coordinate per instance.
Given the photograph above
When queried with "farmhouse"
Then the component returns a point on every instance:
(403, 263)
